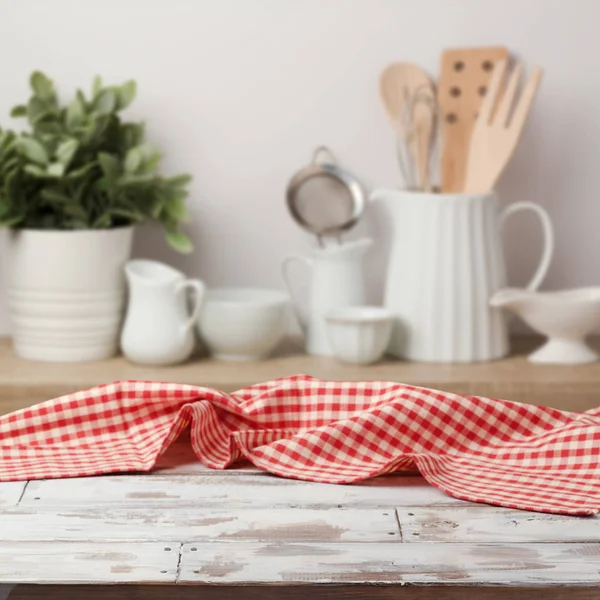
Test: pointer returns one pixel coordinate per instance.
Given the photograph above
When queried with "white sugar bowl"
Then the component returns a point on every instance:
(359, 334)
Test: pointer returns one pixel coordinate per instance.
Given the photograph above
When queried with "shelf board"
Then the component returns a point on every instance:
(577, 388)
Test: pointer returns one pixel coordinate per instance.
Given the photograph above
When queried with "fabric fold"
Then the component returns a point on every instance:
(474, 448)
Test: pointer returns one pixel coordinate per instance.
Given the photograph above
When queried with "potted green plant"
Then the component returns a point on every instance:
(72, 189)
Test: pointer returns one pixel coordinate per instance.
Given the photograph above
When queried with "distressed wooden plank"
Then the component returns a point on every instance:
(295, 592)
(141, 524)
(10, 492)
(493, 524)
(82, 562)
(236, 492)
(427, 564)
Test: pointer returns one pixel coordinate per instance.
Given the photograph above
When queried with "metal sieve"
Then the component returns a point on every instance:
(323, 198)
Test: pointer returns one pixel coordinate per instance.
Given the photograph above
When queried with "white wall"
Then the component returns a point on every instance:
(239, 93)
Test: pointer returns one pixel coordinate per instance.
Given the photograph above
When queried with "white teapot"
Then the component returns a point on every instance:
(336, 281)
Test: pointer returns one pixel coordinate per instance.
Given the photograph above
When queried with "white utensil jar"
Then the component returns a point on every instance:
(446, 263)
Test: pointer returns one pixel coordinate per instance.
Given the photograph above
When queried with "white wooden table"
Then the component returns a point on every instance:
(188, 532)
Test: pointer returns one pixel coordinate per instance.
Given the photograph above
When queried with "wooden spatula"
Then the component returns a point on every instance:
(464, 78)
(501, 120)
(402, 83)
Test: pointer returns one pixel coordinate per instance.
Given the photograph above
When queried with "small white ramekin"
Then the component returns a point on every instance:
(359, 334)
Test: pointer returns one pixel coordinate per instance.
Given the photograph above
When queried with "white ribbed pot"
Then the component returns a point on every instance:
(66, 292)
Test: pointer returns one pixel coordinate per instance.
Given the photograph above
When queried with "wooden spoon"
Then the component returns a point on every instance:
(400, 83)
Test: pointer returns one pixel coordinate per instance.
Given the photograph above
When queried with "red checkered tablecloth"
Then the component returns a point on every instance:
(473, 448)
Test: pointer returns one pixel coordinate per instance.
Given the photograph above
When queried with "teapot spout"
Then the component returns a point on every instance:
(510, 298)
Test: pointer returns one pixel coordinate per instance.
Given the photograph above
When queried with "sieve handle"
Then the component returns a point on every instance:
(302, 319)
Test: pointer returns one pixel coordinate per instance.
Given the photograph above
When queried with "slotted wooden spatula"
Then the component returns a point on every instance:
(502, 118)
(464, 78)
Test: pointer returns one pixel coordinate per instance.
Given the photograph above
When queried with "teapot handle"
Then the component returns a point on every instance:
(198, 288)
(302, 319)
(548, 232)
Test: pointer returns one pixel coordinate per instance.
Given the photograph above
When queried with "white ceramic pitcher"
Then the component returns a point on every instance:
(158, 328)
(336, 280)
(445, 265)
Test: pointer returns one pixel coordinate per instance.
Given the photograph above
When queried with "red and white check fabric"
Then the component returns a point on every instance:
(474, 448)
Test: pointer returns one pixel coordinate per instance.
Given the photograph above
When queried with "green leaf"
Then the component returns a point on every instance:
(130, 215)
(12, 186)
(35, 171)
(55, 197)
(110, 166)
(81, 97)
(82, 171)
(81, 191)
(157, 207)
(19, 111)
(55, 170)
(78, 223)
(133, 180)
(151, 163)
(133, 160)
(36, 110)
(65, 151)
(102, 222)
(150, 158)
(7, 148)
(47, 127)
(131, 134)
(11, 221)
(179, 241)
(106, 102)
(33, 150)
(75, 113)
(96, 86)
(176, 208)
(178, 181)
(42, 86)
(9, 164)
(7, 141)
(126, 94)
(76, 211)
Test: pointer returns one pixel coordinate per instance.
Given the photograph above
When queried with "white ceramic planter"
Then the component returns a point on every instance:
(66, 292)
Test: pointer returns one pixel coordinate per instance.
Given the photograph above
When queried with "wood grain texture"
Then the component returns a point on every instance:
(11, 492)
(233, 492)
(464, 76)
(493, 524)
(198, 524)
(24, 383)
(296, 592)
(496, 134)
(408, 564)
(243, 529)
(80, 562)
(5, 591)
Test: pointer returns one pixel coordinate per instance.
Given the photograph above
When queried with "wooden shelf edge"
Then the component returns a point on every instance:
(24, 383)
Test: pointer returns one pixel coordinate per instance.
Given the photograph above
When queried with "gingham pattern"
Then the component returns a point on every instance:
(476, 449)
